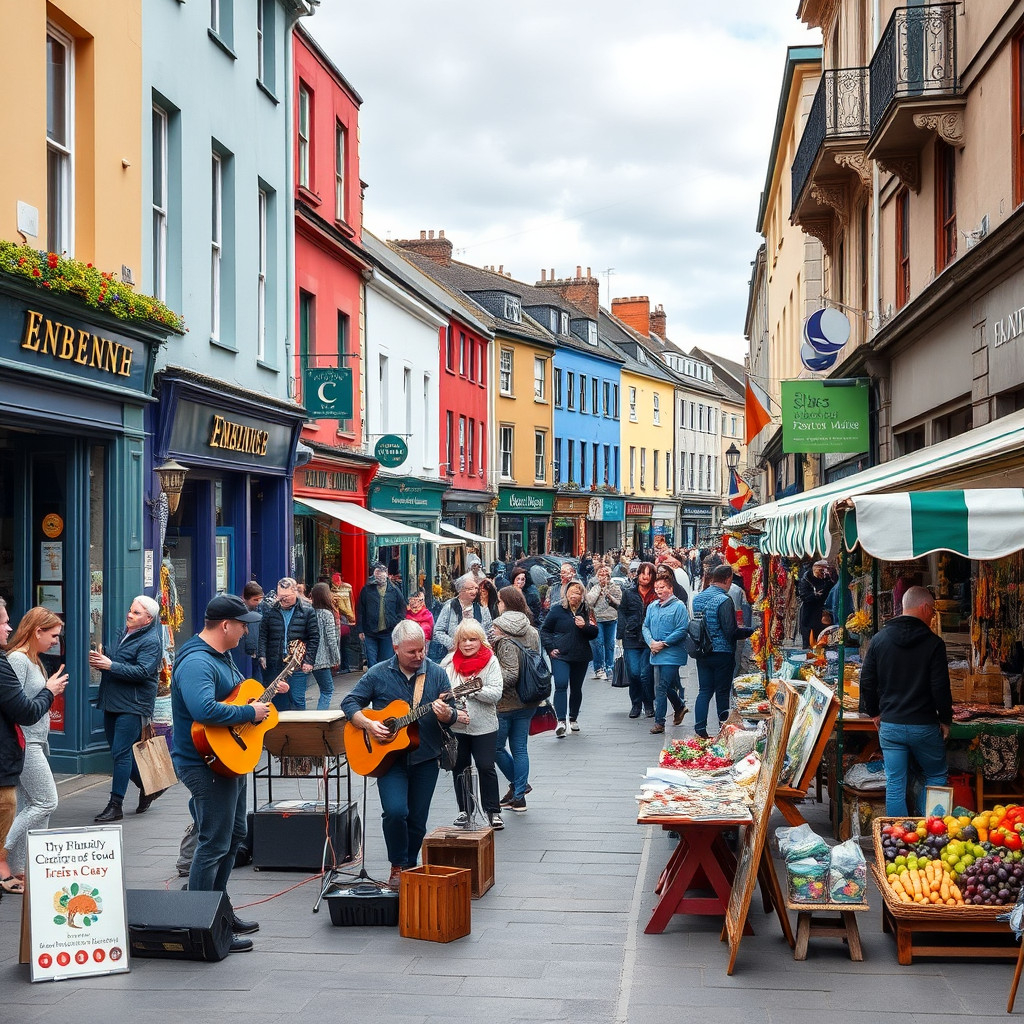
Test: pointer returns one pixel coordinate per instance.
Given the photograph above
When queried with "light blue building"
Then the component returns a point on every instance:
(217, 244)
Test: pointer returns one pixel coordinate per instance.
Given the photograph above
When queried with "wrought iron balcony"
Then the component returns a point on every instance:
(915, 60)
(839, 114)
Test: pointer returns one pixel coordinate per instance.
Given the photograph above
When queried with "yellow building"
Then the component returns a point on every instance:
(73, 185)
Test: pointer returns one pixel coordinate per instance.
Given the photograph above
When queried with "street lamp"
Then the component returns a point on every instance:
(732, 456)
(172, 480)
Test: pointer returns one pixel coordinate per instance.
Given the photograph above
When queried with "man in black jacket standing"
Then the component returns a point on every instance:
(290, 619)
(904, 687)
(379, 609)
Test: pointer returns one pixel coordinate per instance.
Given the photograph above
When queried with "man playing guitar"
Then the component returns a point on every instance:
(203, 676)
(408, 786)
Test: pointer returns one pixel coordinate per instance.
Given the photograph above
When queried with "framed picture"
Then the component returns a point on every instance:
(938, 801)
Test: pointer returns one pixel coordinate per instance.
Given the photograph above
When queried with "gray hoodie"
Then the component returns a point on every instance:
(517, 626)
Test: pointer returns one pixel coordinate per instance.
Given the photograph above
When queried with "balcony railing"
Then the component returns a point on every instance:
(916, 57)
(839, 110)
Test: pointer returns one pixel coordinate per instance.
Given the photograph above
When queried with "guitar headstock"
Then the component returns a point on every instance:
(296, 654)
(469, 686)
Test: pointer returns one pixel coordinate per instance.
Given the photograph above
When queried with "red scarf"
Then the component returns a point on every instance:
(648, 595)
(470, 667)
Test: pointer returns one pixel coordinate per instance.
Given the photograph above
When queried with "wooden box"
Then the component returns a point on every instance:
(458, 849)
(974, 686)
(434, 903)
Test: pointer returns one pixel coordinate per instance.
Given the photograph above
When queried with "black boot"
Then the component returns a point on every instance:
(145, 801)
(112, 812)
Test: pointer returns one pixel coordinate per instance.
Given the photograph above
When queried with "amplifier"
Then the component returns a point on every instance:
(178, 925)
(290, 835)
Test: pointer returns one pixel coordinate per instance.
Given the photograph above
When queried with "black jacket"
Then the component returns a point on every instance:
(303, 626)
(129, 686)
(366, 609)
(560, 633)
(905, 678)
(812, 592)
(533, 602)
(631, 619)
(16, 709)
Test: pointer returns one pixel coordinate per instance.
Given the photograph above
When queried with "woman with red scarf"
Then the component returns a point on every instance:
(470, 657)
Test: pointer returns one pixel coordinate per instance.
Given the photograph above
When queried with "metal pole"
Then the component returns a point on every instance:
(840, 685)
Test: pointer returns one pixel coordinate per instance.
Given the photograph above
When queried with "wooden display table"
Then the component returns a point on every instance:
(458, 848)
(842, 927)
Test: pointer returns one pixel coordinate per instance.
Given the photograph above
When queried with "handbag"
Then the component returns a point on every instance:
(620, 676)
(154, 762)
(544, 719)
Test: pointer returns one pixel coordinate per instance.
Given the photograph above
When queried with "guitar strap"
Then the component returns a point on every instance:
(417, 693)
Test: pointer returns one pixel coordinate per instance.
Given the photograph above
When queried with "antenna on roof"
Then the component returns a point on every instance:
(607, 272)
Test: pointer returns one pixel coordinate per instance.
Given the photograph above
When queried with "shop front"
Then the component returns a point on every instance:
(638, 527)
(234, 520)
(464, 516)
(664, 516)
(417, 504)
(569, 524)
(524, 519)
(74, 385)
(604, 524)
(696, 522)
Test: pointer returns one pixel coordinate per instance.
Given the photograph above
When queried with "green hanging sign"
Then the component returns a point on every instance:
(328, 392)
(391, 451)
(825, 415)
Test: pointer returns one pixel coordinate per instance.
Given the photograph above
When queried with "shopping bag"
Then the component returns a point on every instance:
(154, 761)
(544, 719)
(619, 675)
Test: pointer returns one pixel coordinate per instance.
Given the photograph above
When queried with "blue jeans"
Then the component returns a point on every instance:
(325, 680)
(514, 726)
(667, 688)
(641, 677)
(568, 678)
(714, 677)
(122, 730)
(899, 744)
(218, 808)
(378, 647)
(603, 647)
(405, 795)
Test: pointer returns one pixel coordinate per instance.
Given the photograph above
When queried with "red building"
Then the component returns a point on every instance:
(331, 488)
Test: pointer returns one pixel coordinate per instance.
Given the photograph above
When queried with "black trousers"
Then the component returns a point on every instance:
(481, 750)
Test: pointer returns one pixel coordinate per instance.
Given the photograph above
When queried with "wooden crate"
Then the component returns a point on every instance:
(971, 686)
(460, 849)
(434, 903)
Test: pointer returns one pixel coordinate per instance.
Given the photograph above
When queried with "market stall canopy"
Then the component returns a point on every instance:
(435, 538)
(476, 538)
(387, 531)
(805, 525)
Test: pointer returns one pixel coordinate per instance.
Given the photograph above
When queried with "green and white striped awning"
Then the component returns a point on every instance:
(974, 523)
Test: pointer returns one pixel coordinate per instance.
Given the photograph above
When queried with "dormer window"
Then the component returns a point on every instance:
(564, 326)
(641, 355)
(592, 333)
(513, 309)
(554, 321)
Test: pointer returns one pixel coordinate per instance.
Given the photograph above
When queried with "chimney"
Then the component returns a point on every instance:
(438, 249)
(543, 275)
(582, 292)
(658, 321)
(634, 312)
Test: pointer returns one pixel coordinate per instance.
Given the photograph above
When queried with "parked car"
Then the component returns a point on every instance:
(551, 565)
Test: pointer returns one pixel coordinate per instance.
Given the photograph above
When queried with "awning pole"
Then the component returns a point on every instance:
(844, 580)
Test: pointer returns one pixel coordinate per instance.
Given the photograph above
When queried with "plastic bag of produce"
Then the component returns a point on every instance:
(807, 879)
(847, 873)
(801, 842)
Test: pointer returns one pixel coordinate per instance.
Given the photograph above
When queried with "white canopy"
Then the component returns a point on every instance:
(476, 538)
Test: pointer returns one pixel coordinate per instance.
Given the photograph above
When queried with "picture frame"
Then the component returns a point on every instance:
(938, 801)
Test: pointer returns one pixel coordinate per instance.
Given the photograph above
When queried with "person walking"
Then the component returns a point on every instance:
(487, 595)
(566, 574)
(254, 598)
(328, 651)
(812, 589)
(664, 631)
(465, 605)
(37, 633)
(635, 599)
(18, 712)
(472, 657)
(521, 581)
(512, 627)
(905, 690)
(204, 675)
(379, 608)
(127, 695)
(566, 637)
(715, 672)
(604, 597)
(290, 619)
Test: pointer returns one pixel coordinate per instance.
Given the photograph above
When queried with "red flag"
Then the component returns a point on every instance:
(756, 409)
(739, 491)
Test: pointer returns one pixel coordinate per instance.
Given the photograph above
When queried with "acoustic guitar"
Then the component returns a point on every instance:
(234, 750)
(369, 756)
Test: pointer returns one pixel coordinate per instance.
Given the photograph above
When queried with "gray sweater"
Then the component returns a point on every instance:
(32, 679)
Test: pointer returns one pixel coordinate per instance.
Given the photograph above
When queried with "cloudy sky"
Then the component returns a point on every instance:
(555, 133)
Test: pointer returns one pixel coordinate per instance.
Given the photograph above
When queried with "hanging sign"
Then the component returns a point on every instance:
(328, 392)
(826, 331)
(390, 450)
(78, 926)
(825, 416)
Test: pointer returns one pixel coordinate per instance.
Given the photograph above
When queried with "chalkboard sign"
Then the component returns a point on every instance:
(752, 837)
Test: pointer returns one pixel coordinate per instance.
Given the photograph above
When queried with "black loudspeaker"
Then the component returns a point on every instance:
(290, 838)
(179, 925)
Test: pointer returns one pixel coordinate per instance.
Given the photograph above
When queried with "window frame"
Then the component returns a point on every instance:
(902, 240)
(216, 241)
(160, 141)
(540, 378)
(1017, 80)
(262, 207)
(945, 205)
(340, 152)
(595, 394)
(656, 408)
(540, 456)
(632, 404)
(505, 387)
(583, 393)
(570, 459)
(556, 380)
(303, 131)
(570, 390)
(60, 226)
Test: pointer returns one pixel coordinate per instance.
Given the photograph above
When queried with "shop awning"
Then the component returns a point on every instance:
(387, 531)
(466, 535)
(435, 538)
(804, 525)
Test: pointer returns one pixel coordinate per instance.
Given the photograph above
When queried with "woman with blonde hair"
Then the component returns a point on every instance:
(37, 633)
(472, 657)
(566, 636)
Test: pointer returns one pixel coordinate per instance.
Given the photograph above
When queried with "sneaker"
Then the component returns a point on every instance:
(506, 800)
(560, 730)
(596, 674)
(519, 805)
(496, 823)
(462, 820)
(601, 674)
(574, 725)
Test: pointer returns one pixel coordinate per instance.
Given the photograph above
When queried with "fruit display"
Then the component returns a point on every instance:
(956, 861)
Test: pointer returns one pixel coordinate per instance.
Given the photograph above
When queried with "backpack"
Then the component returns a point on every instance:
(534, 683)
(698, 640)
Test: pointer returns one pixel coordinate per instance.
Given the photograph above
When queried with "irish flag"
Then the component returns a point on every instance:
(756, 411)
(739, 491)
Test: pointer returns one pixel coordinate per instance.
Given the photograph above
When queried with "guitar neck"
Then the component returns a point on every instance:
(268, 694)
(414, 716)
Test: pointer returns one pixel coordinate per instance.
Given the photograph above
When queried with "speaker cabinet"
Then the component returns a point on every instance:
(286, 837)
(179, 925)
